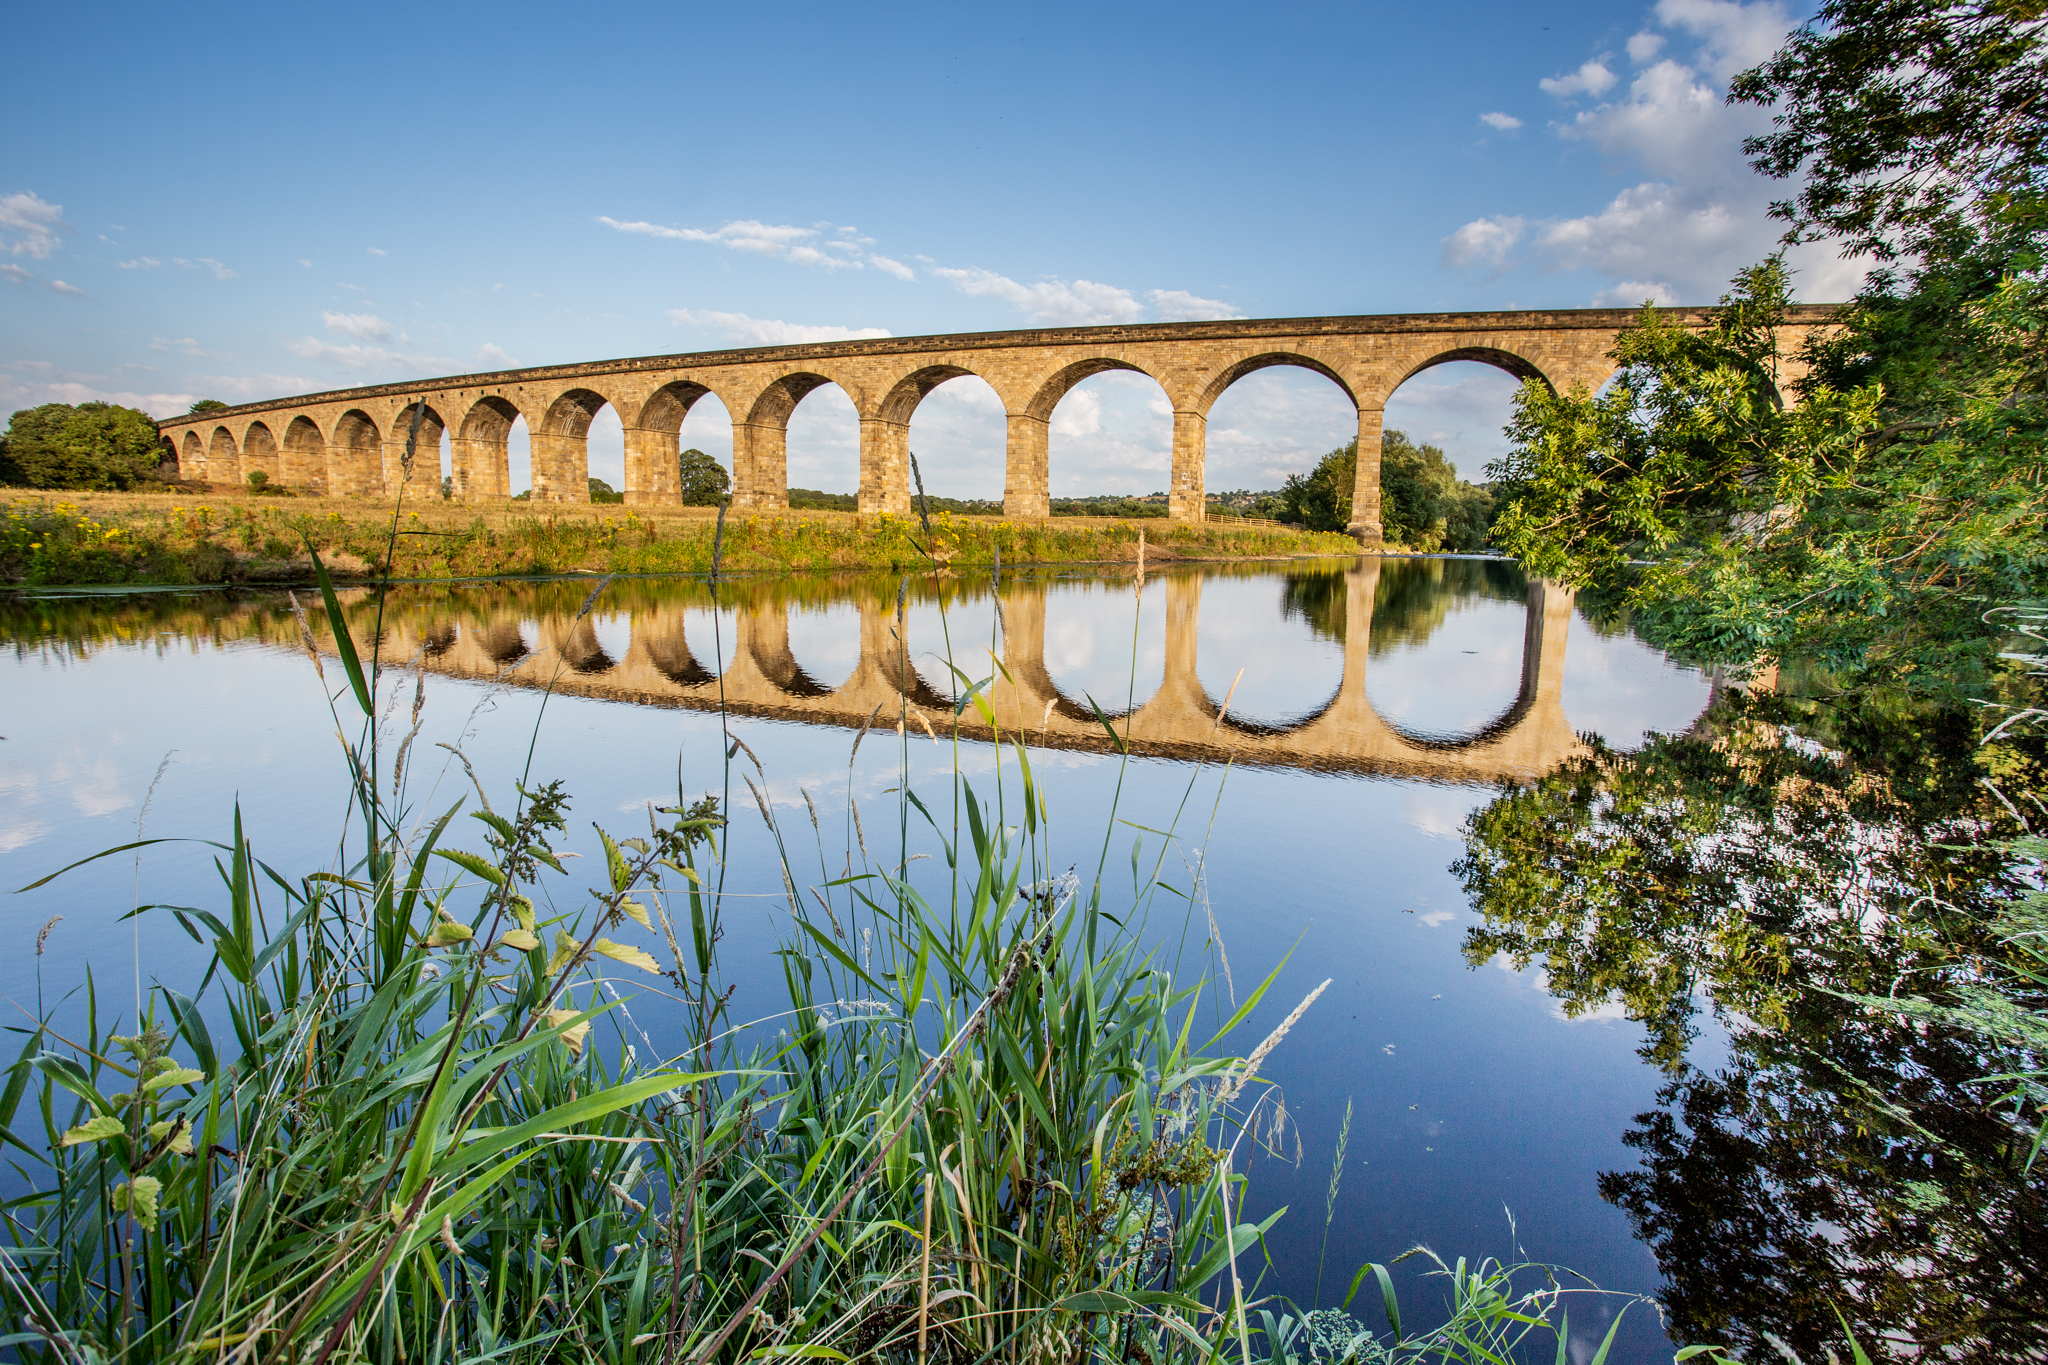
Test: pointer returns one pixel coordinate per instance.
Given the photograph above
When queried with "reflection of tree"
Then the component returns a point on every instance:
(1413, 597)
(1844, 1155)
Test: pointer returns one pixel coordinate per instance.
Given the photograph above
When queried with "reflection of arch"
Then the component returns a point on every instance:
(259, 452)
(1521, 367)
(1239, 369)
(561, 450)
(765, 637)
(192, 459)
(355, 456)
(223, 461)
(671, 654)
(581, 651)
(305, 456)
(480, 465)
(504, 641)
(438, 640)
(426, 461)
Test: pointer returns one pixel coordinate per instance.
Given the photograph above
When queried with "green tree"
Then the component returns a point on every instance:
(600, 491)
(208, 405)
(92, 445)
(1424, 505)
(703, 480)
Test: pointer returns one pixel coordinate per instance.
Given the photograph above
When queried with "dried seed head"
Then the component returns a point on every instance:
(44, 936)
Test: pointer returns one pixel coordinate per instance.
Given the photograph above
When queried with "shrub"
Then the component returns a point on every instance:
(93, 445)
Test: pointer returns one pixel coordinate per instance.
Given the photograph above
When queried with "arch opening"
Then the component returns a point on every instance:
(192, 458)
(223, 461)
(683, 430)
(479, 455)
(1110, 440)
(958, 431)
(802, 444)
(1445, 423)
(260, 455)
(1279, 669)
(560, 448)
(1088, 649)
(1279, 416)
(355, 457)
(305, 456)
(424, 476)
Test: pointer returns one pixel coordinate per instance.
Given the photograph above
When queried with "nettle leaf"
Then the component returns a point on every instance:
(525, 940)
(178, 1075)
(631, 956)
(95, 1129)
(139, 1197)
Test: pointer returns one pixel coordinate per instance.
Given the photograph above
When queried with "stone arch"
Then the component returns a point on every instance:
(355, 456)
(1207, 395)
(1520, 366)
(260, 454)
(478, 461)
(561, 451)
(760, 441)
(426, 462)
(885, 436)
(305, 456)
(1062, 381)
(223, 460)
(654, 440)
(192, 458)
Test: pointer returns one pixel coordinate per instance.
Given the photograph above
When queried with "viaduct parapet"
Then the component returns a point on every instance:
(351, 442)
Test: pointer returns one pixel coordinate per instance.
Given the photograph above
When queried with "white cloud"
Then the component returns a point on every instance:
(1178, 305)
(361, 326)
(181, 345)
(1483, 241)
(220, 272)
(748, 234)
(307, 264)
(1698, 213)
(140, 263)
(768, 331)
(251, 388)
(20, 276)
(48, 386)
(896, 268)
(1631, 294)
(362, 357)
(1506, 123)
(1078, 414)
(1051, 301)
(489, 354)
(374, 250)
(1592, 78)
(30, 227)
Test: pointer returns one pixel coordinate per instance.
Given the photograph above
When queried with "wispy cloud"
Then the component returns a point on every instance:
(1050, 301)
(179, 345)
(1592, 78)
(824, 245)
(361, 326)
(896, 268)
(140, 263)
(220, 272)
(17, 275)
(29, 226)
(768, 331)
(493, 356)
(363, 357)
(1178, 305)
(1506, 123)
(375, 250)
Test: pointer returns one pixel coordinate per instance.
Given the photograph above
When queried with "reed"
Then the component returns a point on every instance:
(407, 1115)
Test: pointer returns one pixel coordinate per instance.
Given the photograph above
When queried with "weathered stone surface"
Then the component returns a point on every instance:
(352, 442)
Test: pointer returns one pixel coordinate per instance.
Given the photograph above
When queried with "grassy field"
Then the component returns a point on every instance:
(114, 538)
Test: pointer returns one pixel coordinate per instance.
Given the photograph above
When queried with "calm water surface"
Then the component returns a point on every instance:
(1371, 707)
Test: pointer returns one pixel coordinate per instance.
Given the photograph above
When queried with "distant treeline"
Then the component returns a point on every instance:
(1424, 505)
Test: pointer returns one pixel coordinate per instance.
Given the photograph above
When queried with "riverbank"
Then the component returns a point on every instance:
(49, 539)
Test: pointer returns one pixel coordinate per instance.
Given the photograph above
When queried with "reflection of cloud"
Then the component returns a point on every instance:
(1436, 919)
(21, 833)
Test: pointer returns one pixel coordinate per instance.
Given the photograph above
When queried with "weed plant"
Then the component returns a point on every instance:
(406, 1114)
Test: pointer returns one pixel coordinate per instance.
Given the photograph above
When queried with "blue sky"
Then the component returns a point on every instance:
(244, 202)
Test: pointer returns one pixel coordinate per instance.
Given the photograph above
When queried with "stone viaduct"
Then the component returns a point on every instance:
(350, 442)
(762, 677)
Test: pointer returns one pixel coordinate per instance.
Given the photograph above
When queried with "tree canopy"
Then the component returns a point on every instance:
(92, 445)
(1424, 505)
(704, 480)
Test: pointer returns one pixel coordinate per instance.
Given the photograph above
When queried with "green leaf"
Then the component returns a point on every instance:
(95, 1129)
(338, 624)
(471, 863)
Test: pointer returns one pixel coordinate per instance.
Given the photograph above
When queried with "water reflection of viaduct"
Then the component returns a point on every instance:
(762, 677)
